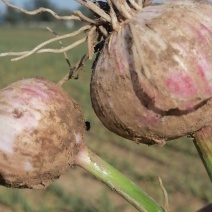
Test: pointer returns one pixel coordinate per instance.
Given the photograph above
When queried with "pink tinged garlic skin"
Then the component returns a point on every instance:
(38, 124)
(156, 73)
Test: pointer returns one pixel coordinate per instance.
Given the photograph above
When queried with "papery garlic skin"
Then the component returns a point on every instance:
(152, 82)
(38, 124)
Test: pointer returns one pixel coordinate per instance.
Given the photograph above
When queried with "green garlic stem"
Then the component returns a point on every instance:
(116, 181)
(203, 143)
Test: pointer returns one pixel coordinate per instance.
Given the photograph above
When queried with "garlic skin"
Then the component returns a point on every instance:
(41, 129)
(152, 82)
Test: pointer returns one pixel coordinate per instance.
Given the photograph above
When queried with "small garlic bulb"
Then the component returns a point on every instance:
(152, 81)
(41, 131)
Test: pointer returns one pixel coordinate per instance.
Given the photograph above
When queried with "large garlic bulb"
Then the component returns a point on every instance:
(152, 81)
(40, 133)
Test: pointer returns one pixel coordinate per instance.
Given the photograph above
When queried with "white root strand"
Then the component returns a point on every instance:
(13, 54)
(90, 5)
(92, 36)
(120, 5)
(41, 9)
(126, 10)
(61, 44)
(127, 7)
(61, 50)
(58, 38)
(103, 31)
(84, 18)
(57, 51)
(116, 3)
(114, 19)
(140, 2)
(135, 5)
(99, 11)
(64, 79)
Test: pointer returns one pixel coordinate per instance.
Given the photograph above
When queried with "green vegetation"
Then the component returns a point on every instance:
(177, 163)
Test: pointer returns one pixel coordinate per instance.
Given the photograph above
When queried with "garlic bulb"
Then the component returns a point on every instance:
(41, 129)
(152, 81)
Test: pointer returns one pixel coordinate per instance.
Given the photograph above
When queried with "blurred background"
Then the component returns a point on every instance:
(177, 162)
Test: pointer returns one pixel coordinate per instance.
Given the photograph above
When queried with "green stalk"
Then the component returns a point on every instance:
(203, 143)
(116, 181)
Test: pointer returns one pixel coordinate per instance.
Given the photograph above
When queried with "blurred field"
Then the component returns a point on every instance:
(177, 163)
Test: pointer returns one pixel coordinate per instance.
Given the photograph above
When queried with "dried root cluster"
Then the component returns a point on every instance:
(108, 15)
